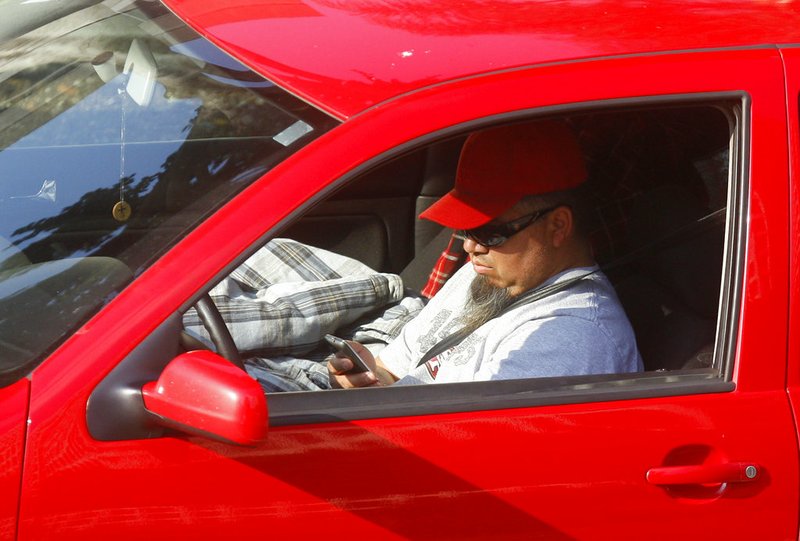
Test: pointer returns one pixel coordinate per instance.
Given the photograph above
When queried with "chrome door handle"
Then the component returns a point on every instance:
(704, 474)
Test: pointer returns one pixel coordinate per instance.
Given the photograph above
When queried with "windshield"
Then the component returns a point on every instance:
(120, 130)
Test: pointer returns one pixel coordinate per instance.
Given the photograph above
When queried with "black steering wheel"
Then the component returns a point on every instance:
(217, 330)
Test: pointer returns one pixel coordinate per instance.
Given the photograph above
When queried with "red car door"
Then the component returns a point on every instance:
(659, 455)
(791, 60)
(14, 405)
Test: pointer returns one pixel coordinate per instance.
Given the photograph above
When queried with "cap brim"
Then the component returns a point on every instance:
(454, 212)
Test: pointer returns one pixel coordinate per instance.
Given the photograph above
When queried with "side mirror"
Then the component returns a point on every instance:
(201, 393)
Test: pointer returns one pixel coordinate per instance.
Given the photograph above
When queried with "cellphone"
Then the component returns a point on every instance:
(359, 365)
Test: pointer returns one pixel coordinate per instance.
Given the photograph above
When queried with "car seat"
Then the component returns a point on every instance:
(671, 293)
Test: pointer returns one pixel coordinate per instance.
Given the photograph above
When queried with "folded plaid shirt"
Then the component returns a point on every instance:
(281, 302)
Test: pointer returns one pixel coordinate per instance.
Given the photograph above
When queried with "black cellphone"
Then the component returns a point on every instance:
(345, 349)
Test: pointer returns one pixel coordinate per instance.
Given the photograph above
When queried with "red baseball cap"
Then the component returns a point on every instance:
(500, 166)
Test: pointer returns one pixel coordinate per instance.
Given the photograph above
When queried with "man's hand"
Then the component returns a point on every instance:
(338, 366)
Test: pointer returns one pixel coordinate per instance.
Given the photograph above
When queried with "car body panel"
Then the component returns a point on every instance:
(311, 480)
(362, 53)
(502, 473)
(791, 58)
(14, 405)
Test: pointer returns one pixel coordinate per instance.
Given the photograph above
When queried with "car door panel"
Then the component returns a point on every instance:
(791, 59)
(409, 478)
(558, 471)
(14, 405)
(466, 466)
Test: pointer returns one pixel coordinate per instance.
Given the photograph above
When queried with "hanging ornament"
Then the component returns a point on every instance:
(122, 210)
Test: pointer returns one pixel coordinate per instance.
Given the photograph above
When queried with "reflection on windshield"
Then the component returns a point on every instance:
(120, 131)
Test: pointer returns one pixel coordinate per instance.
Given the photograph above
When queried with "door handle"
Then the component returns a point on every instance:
(704, 474)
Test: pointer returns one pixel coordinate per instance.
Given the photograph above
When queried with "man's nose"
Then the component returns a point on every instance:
(472, 247)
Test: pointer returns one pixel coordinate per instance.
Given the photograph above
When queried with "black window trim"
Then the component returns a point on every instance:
(311, 407)
(736, 232)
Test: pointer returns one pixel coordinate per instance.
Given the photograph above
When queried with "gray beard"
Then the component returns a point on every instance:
(485, 302)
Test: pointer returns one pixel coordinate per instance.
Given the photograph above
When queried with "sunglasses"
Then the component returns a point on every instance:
(494, 234)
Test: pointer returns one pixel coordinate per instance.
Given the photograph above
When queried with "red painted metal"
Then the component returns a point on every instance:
(200, 392)
(791, 58)
(556, 472)
(347, 56)
(13, 415)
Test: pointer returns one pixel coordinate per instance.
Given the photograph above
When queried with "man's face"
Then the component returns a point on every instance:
(523, 261)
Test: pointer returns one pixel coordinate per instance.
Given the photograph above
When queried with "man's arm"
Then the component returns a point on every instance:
(338, 366)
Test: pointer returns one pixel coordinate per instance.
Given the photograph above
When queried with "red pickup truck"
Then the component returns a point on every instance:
(147, 149)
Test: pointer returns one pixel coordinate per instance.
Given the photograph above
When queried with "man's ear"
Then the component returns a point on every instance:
(561, 224)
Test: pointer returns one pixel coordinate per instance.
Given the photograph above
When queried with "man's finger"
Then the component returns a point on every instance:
(362, 379)
(339, 365)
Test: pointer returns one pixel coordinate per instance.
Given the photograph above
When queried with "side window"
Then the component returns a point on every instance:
(663, 179)
(659, 214)
(120, 130)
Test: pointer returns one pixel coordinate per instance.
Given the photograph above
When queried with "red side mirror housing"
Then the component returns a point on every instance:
(202, 393)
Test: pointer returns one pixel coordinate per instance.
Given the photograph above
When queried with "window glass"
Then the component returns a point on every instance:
(120, 130)
(663, 179)
(656, 220)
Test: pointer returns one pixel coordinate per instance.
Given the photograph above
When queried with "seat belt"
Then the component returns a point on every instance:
(526, 298)
(417, 274)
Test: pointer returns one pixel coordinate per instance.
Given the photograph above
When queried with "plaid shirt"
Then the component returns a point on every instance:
(453, 258)
(281, 302)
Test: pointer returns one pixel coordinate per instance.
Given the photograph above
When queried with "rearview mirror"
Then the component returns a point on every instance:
(201, 393)
(141, 69)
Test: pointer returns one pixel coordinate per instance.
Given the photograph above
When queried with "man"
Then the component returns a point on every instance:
(531, 302)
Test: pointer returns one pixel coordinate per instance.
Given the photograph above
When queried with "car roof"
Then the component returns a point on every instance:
(345, 56)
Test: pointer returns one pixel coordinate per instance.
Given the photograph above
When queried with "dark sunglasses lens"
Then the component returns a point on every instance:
(486, 236)
(496, 234)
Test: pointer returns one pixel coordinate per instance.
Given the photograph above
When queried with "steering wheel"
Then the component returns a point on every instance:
(217, 330)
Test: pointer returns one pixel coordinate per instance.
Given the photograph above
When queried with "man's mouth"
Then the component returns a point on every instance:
(480, 267)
